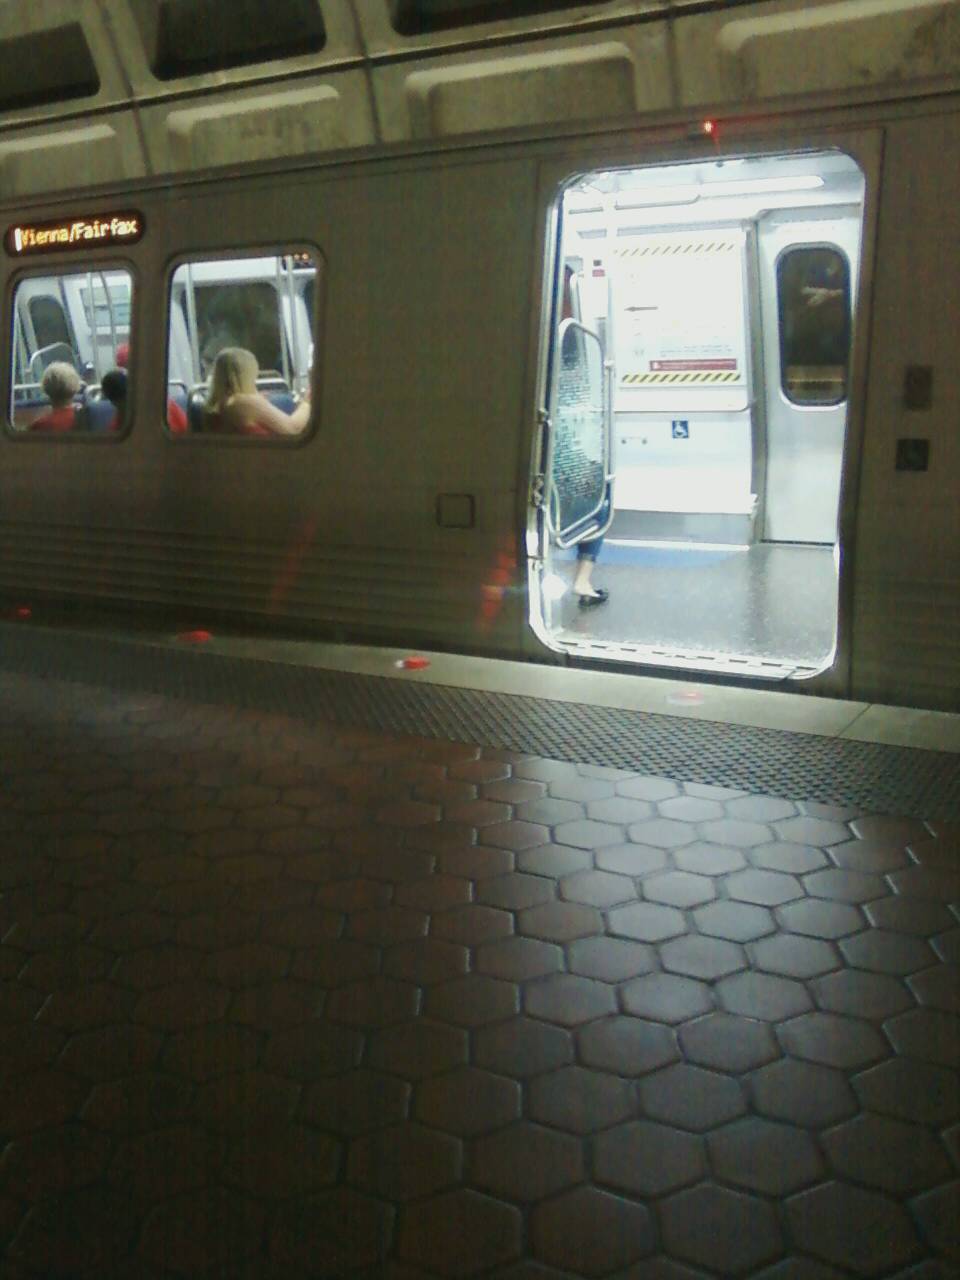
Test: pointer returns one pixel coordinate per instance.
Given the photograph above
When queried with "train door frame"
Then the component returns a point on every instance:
(862, 141)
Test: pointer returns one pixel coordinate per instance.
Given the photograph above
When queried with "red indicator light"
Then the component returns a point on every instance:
(195, 637)
(413, 663)
(23, 611)
(709, 127)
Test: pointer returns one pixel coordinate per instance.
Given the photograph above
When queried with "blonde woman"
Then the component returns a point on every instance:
(61, 383)
(235, 406)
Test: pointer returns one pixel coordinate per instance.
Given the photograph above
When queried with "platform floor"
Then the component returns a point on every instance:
(289, 996)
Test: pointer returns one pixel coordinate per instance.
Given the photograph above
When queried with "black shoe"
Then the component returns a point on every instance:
(591, 602)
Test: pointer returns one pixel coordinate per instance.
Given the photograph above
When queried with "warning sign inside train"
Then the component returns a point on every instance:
(82, 233)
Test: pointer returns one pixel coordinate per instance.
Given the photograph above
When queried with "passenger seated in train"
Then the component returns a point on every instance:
(60, 383)
(176, 416)
(235, 406)
(113, 387)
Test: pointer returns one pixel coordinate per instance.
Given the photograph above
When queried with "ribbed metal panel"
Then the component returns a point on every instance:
(369, 589)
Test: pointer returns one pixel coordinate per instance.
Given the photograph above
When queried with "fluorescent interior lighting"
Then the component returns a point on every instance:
(762, 186)
(644, 198)
(649, 197)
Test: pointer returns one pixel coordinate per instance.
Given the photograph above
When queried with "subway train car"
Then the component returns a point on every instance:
(511, 278)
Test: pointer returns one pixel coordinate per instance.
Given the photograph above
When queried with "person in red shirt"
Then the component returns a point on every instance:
(176, 417)
(61, 383)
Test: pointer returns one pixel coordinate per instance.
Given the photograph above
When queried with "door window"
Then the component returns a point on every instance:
(813, 298)
(49, 322)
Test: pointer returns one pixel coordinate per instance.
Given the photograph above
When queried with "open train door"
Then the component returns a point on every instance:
(579, 464)
(725, 294)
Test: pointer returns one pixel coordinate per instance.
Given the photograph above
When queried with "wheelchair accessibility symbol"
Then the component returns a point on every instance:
(680, 429)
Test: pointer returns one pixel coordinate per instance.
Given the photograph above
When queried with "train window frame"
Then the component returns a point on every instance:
(785, 390)
(205, 256)
(61, 269)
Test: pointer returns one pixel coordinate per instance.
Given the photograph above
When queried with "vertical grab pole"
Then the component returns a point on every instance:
(92, 321)
(294, 327)
(284, 353)
(110, 315)
(192, 326)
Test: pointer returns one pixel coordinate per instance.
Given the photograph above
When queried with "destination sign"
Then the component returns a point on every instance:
(71, 234)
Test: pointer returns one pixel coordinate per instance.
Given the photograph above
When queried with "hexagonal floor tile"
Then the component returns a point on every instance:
(820, 918)
(468, 1101)
(679, 889)
(580, 1101)
(519, 959)
(713, 1227)
(627, 1046)
(666, 997)
(861, 994)
(472, 1001)
(645, 1159)
(760, 995)
(771, 1158)
(647, 922)
(938, 1213)
(735, 921)
(569, 1000)
(910, 1090)
(728, 1043)
(820, 1220)
(802, 1093)
(591, 1232)
(404, 1162)
(610, 959)
(560, 921)
(832, 1040)
(526, 1162)
(699, 957)
(523, 1047)
(888, 1154)
(599, 889)
(691, 1098)
(927, 1034)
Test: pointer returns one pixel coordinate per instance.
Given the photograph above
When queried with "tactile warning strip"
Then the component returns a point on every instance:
(872, 777)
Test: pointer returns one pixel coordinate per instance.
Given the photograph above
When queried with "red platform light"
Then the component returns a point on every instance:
(413, 663)
(195, 637)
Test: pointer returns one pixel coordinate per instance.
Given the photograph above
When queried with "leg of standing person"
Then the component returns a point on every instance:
(589, 595)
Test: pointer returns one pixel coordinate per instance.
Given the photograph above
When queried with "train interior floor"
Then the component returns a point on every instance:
(314, 965)
(768, 602)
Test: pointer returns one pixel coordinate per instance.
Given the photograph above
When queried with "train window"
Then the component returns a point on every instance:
(813, 299)
(188, 37)
(49, 321)
(419, 17)
(240, 346)
(71, 335)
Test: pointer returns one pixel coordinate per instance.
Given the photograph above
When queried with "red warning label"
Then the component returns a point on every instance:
(689, 366)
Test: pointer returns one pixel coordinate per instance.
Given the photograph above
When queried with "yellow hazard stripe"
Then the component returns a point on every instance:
(673, 379)
(651, 250)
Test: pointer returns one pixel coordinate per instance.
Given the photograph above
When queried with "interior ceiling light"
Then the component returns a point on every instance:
(689, 194)
(762, 186)
(644, 198)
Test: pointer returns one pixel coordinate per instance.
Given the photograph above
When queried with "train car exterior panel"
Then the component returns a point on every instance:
(907, 566)
(405, 514)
